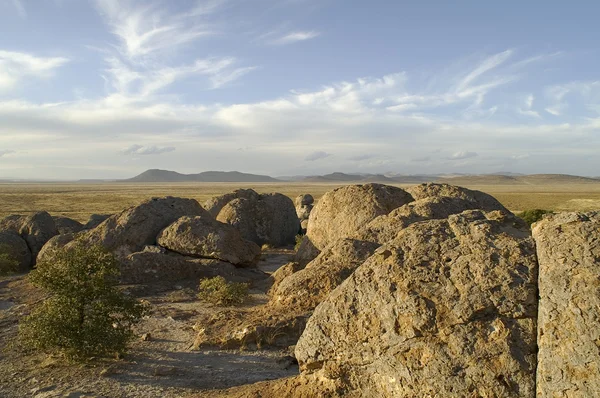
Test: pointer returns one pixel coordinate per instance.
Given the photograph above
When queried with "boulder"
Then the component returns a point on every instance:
(66, 225)
(205, 237)
(482, 200)
(95, 220)
(214, 205)
(568, 252)
(17, 250)
(271, 219)
(305, 289)
(448, 309)
(385, 228)
(341, 212)
(132, 229)
(304, 200)
(57, 242)
(37, 229)
(303, 212)
(12, 223)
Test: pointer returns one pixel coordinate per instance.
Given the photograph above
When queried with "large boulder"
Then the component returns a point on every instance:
(57, 242)
(214, 205)
(271, 219)
(16, 249)
(341, 212)
(568, 249)
(132, 229)
(12, 223)
(36, 229)
(305, 289)
(448, 309)
(66, 225)
(480, 199)
(304, 200)
(205, 237)
(385, 228)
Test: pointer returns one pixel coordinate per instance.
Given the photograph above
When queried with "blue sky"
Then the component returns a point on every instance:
(109, 88)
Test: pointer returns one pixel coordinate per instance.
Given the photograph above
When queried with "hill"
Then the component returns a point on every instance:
(156, 175)
(531, 179)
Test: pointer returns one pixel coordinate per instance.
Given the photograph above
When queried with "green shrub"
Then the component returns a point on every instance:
(86, 315)
(8, 265)
(533, 215)
(220, 292)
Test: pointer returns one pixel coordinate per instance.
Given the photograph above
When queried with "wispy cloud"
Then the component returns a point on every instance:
(20, 8)
(137, 149)
(294, 37)
(14, 66)
(527, 110)
(318, 155)
(462, 155)
(5, 152)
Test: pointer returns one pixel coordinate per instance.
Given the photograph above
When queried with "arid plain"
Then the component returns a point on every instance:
(79, 200)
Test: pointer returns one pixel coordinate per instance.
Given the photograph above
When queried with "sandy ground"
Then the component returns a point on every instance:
(165, 366)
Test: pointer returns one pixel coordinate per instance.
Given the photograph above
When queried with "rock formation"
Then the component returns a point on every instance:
(568, 249)
(216, 204)
(205, 237)
(304, 205)
(447, 308)
(66, 225)
(35, 229)
(17, 250)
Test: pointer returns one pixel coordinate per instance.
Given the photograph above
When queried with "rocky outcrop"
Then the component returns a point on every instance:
(568, 249)
(447, 308)
(271, 219)
(305, 289)
(216, 204)
(132, 229)
(304, 205)
(36, 229)
(16, 249)
(57, 242)
(481, 200)
(341, 212)
(66, 225)
(205, 237)
(385, 228)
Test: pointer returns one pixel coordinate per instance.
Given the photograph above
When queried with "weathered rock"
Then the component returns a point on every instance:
(12, 223)
(149, 267)
(17, 250)
(37, 229)
(306, 288)
(271, 219)
(138, 226)
(447, 308)
(205, 237)
(214, 205)
(341, 212)
(95, 220)
(568, 248)
(483, 201)
(385, 228)
(303, 212)
(55, 243)
(304, 200)
(281, 274)
(306, 251)
(66, 225)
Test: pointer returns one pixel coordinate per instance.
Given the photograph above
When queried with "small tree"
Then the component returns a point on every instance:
(8, 265)
(86, 314)
(533, 215)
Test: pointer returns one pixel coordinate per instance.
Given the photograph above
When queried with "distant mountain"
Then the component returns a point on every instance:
(366, 178)
(531, 179)
(156, 175)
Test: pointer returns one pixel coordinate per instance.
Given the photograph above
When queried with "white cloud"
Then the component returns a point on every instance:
(5, 152)
(317, 155)
(137, 149)
(294, 37)
(20, 8)
(15, 66)
(462, 155)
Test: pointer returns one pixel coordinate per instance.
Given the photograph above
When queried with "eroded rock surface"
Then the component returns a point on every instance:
(203, 236)
(66, 225)
(568, 248)
(341, 212)
(216, 204)
(16, 249)
(447, 308)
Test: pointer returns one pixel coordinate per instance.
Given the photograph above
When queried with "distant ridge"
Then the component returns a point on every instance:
(156, 175)
(366, 178)
(530, 179)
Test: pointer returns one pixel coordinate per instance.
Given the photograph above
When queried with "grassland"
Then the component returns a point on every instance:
(78, 201)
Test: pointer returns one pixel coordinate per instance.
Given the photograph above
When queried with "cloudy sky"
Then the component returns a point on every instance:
(110, 88)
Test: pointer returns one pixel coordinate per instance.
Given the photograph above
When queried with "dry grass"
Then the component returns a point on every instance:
(78, 201)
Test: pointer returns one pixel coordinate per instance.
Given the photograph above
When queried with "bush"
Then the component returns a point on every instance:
(299, 239)
(8, 265)
(86, 315)
(533, 215)
(220, 292)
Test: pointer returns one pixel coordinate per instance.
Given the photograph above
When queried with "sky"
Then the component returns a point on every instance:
(110, 88)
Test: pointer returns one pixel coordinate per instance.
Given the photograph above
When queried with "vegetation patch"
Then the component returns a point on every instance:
(533, 215)
(86, 314)
(220, 292)
(8, 265)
